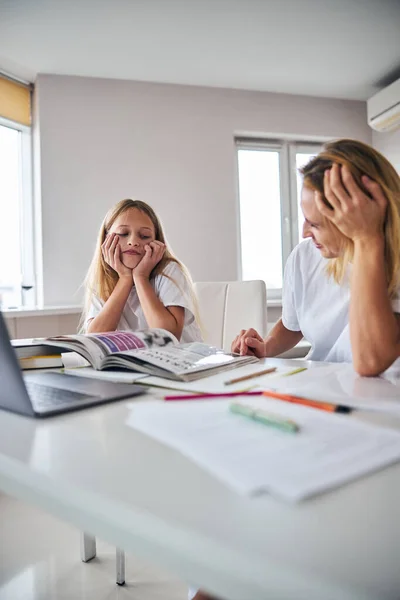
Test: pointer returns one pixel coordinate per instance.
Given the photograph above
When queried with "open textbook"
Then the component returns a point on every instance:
(154, 352)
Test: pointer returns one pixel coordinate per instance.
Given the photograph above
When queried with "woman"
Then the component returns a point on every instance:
(341, 287)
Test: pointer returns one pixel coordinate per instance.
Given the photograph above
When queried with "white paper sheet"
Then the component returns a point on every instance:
(215, 384)
(115, 376)
(340, 384)
(252, 458)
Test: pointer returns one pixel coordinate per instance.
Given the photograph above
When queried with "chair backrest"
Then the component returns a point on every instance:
(226, 307)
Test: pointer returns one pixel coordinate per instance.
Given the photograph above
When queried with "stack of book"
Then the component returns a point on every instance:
(35, 354)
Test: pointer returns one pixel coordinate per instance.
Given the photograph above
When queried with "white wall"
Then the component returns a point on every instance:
(389, 145)
(172, 146)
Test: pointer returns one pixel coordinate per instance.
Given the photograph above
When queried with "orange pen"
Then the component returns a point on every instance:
(338, 408)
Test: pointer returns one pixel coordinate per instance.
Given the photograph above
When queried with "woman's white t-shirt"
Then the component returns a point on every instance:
(316, 305)
(171, 292)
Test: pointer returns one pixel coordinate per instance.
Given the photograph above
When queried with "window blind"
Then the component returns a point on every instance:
(15, 101)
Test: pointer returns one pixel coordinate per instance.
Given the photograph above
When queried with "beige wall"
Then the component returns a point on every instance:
(389, 145)
(172, 146)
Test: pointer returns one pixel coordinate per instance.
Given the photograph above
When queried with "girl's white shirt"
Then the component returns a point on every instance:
(173, 289)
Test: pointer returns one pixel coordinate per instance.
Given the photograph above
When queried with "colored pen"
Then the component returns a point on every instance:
(295, 371)
(338, 408)
(246, 377)
(264, 417)
(208, 396)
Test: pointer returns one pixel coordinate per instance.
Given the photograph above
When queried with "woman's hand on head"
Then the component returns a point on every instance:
(152, 256)
(111, 251)
(354, 213)
(250, 343)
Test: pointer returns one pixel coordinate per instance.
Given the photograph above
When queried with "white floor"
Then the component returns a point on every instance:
(40, 560)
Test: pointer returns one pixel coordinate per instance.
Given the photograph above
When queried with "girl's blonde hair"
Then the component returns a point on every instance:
(361, 159)
(101, 279)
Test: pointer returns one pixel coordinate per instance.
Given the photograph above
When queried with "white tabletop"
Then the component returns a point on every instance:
(92, 470)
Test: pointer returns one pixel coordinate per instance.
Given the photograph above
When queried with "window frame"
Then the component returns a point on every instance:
(26, 217)
(287, 149)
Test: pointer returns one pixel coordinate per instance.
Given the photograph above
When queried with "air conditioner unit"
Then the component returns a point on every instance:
(383, 109)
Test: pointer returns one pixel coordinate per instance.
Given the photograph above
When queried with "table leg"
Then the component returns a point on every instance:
(120, 564)
(88, 547)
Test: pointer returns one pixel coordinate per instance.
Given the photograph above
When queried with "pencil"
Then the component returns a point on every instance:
(245, 377)
(338, 408)
(295, 371)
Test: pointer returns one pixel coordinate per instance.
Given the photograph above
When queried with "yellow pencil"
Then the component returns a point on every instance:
(245, 377)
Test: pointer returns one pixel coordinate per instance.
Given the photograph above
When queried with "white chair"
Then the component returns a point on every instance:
(226, 307)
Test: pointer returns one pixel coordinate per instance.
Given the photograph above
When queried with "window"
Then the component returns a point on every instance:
(16, 241)
(271, 221)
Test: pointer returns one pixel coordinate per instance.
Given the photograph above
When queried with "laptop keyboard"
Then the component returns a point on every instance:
(45, 396)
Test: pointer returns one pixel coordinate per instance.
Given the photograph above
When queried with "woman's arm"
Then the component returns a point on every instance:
(281, 339)
(278, 341)
(374, 328)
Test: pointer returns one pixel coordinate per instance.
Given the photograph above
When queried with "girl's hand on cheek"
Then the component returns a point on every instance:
(153, 254)
(111, 251)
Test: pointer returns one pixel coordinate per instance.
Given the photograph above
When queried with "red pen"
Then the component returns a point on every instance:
(207, 396)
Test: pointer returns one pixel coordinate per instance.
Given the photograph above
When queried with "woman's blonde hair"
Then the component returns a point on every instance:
(101, 279)
(361, 159)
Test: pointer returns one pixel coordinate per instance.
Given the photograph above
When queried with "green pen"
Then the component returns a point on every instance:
(264, 417)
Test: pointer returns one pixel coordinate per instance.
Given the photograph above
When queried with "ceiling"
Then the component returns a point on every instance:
(334, 48)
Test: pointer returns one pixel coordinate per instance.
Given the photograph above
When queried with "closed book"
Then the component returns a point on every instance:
(25, 348)
(41, 362)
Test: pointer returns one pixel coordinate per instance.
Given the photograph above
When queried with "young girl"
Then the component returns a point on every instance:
(134, 281)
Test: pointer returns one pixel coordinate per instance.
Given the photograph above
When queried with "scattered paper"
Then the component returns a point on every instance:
(251, 458)
(340, 384)
(115, 376)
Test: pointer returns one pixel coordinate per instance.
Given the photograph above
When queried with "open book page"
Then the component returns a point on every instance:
(115, 376)
(73, 360)
(252, 458)
(340, 384)
(184, 361)
(95, 347)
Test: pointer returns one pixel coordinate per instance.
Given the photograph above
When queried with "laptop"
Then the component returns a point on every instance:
(45, 394)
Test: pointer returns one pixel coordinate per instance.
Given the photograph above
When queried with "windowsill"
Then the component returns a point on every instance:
(274, 303)
(44, 311)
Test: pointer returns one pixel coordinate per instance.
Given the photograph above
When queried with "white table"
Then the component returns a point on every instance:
(92, 470)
